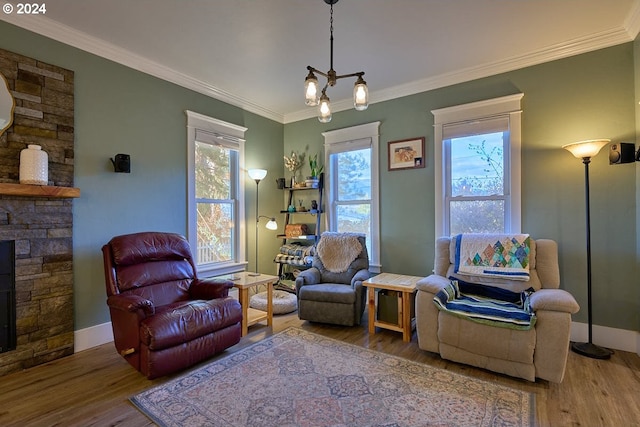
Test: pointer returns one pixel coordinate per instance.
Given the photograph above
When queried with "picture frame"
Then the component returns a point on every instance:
(406, 154)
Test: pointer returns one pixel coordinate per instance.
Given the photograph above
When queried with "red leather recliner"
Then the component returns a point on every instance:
(164, 318)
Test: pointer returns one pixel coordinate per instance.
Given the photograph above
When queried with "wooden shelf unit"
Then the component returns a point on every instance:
(288, 218)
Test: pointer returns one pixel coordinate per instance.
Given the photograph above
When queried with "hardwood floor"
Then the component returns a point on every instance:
(92, 388)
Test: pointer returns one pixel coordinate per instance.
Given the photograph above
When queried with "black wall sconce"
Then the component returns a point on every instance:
(122, 163)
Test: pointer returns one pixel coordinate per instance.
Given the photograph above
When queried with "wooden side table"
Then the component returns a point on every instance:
(406, 285)
(245, 281)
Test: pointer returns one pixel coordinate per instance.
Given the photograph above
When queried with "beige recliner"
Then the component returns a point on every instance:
(540, 352)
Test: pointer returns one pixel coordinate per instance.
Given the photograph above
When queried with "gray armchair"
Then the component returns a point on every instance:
(331, 290)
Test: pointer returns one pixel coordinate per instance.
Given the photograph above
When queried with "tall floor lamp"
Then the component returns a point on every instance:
(258, 175)
(585, 150)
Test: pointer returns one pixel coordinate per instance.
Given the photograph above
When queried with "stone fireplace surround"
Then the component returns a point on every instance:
(39, 219)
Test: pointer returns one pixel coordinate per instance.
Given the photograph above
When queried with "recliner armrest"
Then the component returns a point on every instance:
(360, 276)
(432, 283)
(131, 303)
(310, 276)
(553, 300)
(211, 288)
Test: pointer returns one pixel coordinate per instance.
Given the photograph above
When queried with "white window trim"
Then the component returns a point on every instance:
(344, 136)
(230, 135)
(473, 111)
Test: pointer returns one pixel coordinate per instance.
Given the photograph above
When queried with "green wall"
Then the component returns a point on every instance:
(583, 97)
(120, 110)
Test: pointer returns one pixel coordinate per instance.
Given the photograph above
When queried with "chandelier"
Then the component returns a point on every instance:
(315, 97)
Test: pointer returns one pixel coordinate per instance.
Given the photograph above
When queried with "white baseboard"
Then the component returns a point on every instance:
(617, 339)
(92, 336)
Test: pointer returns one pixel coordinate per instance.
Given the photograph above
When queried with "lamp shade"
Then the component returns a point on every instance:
(258, 174)
(272, 224)
(586, 149)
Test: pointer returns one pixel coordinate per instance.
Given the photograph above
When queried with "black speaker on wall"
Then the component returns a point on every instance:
(623, 152)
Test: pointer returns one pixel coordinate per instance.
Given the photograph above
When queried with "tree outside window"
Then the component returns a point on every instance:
(477, 186)
(353, 201)
(215, 203)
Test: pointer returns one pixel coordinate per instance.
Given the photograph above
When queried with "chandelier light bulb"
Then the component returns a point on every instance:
(311, 92)
(324, 109)
(360, 95)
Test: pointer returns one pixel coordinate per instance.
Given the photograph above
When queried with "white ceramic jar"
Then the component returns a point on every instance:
(34, 166)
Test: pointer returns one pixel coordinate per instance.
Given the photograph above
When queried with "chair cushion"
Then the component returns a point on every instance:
(328, 292)
(184, 321)
(486, 340)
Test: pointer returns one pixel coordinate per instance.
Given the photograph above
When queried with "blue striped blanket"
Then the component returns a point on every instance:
(487, 304)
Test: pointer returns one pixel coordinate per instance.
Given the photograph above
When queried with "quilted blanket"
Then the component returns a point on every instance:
(493, 255)
(293, 260)
(487, 304)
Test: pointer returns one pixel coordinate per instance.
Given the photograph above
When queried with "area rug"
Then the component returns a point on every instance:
(298, 378)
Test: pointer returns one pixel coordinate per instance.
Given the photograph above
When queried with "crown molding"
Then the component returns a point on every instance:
(78, 39)
(67, 35)
(559, 51)
(632, 22)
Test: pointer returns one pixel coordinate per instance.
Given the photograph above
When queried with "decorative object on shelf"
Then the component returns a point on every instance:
(280, 182)
(311, 87)
(300, 207)
(258, 175)
(585, 150)
(293, 163)
(406, 154)
(34, 166)
(291, 208)
(314, 206)
(296, 230)
(312, 180)
(122, 163)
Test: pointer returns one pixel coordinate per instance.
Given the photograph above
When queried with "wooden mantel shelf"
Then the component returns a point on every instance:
(38, 191)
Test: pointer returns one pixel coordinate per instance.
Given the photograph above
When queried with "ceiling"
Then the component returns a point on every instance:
(254, 53)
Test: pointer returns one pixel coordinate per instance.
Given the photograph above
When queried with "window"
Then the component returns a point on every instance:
(478, 180)
(215, 194)
(352, 189)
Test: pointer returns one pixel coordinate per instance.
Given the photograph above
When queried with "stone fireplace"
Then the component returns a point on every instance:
(7, 295)
(39, 219)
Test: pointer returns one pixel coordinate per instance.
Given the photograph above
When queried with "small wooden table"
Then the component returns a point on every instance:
(245, 281)
(406, 285)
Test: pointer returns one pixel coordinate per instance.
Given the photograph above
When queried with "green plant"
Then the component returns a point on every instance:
(313, 164)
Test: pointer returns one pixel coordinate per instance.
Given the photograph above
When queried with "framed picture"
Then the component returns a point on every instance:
(406, 154)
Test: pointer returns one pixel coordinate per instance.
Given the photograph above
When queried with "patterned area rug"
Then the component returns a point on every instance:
(297, 378)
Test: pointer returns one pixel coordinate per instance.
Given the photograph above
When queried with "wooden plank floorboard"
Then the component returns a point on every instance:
(93, 387)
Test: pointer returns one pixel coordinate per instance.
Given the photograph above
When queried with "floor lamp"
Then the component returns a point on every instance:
(585, 150)
(258, 175)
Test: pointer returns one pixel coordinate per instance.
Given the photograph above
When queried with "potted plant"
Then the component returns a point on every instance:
(314, 178)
